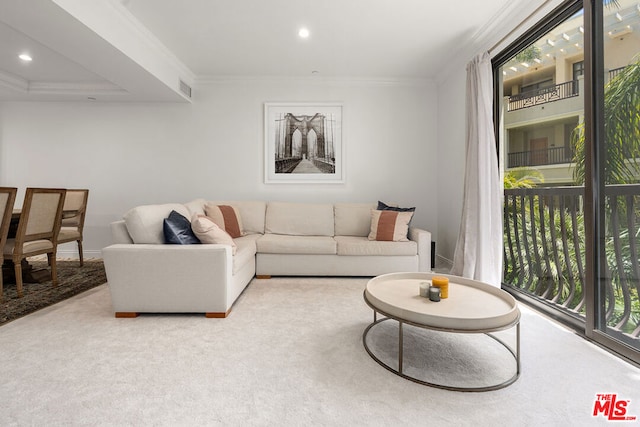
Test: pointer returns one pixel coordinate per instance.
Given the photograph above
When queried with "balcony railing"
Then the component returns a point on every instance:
(547, 156)
(544, 252)
(615, 72)
(544, 95)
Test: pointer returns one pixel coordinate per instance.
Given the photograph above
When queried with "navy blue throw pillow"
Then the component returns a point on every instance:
(177, 230)
(385, 207)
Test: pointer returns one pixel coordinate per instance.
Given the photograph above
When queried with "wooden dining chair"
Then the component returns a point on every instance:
(73, 213)
(40, 221)
(7, 199)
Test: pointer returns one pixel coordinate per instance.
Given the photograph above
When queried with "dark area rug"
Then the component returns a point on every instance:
(72, 280)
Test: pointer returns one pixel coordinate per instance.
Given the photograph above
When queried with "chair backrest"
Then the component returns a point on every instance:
(75, 201)
(41, 214)
(7, 199)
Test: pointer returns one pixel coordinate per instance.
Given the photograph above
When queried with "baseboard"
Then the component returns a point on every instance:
(73, 254)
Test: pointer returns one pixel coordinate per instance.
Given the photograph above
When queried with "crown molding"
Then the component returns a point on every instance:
(13, 82)
(27, 87)
(64, 88)
(315, 80)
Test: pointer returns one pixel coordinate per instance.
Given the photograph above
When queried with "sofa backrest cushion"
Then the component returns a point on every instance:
(353, 219)
(299, 219)
(251, 213)
(196, 207)
(144, 223)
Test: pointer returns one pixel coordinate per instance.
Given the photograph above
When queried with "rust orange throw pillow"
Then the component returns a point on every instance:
(226, 217)
(391, 226)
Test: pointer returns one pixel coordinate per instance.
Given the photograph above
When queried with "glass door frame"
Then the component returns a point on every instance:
(594, 326)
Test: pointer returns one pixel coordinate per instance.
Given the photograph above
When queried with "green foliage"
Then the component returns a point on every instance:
(544, 241)
(529, 54)
(621, 129)
(523, 177)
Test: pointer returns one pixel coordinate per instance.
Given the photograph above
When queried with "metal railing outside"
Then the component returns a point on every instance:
(541, 96)
(544, 252)
(547, 156)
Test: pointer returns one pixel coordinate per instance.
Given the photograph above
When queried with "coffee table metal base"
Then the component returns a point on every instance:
(514, 352)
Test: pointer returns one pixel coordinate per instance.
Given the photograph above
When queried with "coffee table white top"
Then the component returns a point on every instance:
(471, 306)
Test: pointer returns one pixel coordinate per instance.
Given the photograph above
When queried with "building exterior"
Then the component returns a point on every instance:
(543, 90)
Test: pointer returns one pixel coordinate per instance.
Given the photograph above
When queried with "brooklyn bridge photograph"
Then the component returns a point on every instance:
(303, 143)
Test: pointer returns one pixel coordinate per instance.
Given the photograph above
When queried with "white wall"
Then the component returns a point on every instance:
(131, 154)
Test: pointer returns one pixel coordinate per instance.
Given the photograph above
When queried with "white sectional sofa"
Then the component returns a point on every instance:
(280, 239)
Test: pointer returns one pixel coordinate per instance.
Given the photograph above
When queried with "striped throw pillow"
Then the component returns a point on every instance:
(389, 226)
(226, 217)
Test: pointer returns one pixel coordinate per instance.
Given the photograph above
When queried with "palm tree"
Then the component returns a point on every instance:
(523, 177)
(621, 128)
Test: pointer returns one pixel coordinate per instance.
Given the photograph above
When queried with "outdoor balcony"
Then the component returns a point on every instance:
(544, 253)
(548, 156)
(544, 95)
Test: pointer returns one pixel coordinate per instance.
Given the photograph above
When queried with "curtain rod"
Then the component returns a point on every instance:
(510, 33)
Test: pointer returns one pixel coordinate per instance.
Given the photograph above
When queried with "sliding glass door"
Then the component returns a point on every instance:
(615, 174)
(567, 113)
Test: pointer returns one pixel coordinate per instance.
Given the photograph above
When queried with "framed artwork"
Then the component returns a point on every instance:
(303, 143)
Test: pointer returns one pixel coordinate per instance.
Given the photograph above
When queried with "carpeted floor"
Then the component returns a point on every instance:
(72, 280)
(289, 354)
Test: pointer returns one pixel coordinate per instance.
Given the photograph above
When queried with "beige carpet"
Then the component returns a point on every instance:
(290, 354)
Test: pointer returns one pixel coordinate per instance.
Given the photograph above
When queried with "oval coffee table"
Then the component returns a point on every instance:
(472, 307)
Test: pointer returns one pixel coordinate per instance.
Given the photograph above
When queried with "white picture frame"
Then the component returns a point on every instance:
(303, 143)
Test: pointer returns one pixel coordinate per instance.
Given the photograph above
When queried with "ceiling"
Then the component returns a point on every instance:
(140, 50)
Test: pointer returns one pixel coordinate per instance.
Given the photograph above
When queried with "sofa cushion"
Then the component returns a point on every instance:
(353, 245)
(389, 225)
(251, 212)
(195, 207)
(299, 219)
(145, 223)
(353, 219)
(177, 230)
(283, 244)
(227, 217)
(246, 251)
(210, 233)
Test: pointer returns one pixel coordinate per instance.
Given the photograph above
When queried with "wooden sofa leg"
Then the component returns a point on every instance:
(126, 314)
(263, 276)
(217, 315)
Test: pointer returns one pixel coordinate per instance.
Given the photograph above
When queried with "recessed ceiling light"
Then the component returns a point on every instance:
(303, 32)
(25, 57)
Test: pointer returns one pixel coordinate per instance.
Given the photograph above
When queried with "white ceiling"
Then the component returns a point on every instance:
(139, 49)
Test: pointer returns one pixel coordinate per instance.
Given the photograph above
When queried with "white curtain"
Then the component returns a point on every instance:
(478, 252)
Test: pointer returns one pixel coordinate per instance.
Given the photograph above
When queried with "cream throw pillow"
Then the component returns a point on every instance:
(389, 226)
(209, 232)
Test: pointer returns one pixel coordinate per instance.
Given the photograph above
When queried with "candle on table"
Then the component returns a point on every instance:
(424, 289)
(443, 284)
(434, 294)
